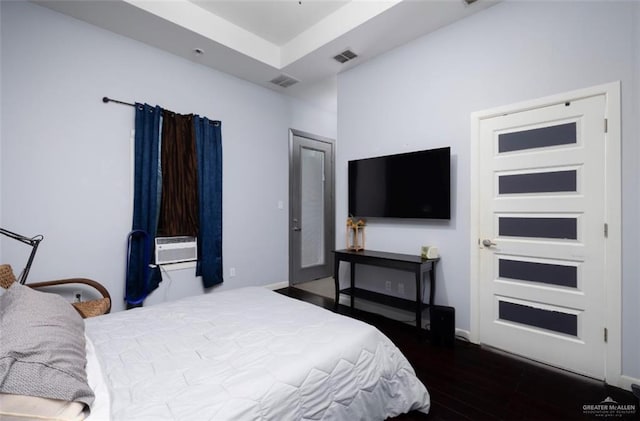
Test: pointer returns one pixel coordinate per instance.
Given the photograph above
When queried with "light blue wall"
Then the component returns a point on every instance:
(66, 168)
(421, 96)
(631, 216)
(0, 132)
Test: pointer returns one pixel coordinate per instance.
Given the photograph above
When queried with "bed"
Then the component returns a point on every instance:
(244, 354)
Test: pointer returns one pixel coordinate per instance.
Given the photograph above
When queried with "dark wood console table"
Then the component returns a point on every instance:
(407, 262)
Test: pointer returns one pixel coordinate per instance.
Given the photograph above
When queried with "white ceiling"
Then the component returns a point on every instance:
(275, 21)
(259, 40)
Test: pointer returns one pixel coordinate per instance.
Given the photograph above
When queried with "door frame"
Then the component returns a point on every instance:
(330, 230)
(613, 215)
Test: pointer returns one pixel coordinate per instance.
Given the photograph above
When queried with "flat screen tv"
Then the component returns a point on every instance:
(408, 185)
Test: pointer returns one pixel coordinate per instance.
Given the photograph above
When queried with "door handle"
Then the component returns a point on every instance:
(488, 243)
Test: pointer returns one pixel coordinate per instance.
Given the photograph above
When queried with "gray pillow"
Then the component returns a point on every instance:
(42, 347)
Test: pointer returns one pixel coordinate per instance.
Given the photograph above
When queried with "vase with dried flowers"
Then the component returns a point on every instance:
(355, 234)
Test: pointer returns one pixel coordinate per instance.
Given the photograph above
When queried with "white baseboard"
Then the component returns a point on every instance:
(277, 285)
(393, 313)
(464, 334)
(396, 314)
(627, 381)
(371, 307)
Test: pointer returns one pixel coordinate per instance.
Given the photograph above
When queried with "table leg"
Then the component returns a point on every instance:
(419, 301)
(432, 285)
(336, 271)
(353, 282)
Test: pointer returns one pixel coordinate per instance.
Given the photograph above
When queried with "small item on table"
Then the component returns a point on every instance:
(355, 234)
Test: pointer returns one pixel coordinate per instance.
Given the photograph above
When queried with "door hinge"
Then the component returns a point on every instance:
(606, 125)
(606, 230)
(606, 334)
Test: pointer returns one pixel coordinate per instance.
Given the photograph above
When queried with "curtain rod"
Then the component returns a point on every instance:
(106, 99)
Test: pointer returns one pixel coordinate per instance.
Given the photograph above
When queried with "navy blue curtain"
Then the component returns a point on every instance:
(209, 150)
(141, 279)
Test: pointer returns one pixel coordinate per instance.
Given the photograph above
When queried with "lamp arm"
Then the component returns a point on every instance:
(33, 242)
(25, 271)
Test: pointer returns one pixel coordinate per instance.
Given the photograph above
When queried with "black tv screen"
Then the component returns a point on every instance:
(408, 185)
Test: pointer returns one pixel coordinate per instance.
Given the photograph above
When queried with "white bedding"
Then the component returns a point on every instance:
(100, 406)
(249, 354)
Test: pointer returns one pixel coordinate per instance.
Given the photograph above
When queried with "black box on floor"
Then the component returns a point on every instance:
(443, 325)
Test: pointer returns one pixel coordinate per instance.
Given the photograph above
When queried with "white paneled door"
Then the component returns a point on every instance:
(542, 234)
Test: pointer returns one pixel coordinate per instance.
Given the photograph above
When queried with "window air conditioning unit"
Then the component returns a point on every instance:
(176, 249)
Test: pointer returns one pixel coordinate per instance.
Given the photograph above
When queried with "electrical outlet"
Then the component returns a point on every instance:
(77, 296)
(232, 272)
(401, 288)
(387, 285)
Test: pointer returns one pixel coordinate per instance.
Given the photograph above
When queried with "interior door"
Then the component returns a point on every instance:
(311, 213)
(542, 234)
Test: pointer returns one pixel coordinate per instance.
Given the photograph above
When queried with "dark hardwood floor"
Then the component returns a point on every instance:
(468, 382)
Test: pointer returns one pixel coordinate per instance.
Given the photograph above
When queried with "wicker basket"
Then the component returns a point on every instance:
(93, 308)
(6, 276)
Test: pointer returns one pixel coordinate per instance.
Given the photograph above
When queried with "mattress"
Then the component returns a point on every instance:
(248, 354)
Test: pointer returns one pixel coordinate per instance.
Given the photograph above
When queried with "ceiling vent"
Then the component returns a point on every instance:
(345, 56)
(284, 81)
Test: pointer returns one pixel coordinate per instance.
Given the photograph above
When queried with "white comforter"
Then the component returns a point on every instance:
(250, 354)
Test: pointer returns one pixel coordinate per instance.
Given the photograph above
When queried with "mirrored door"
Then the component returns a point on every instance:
(311, 209)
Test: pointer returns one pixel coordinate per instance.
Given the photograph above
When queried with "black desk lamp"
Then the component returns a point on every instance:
(33, 242)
